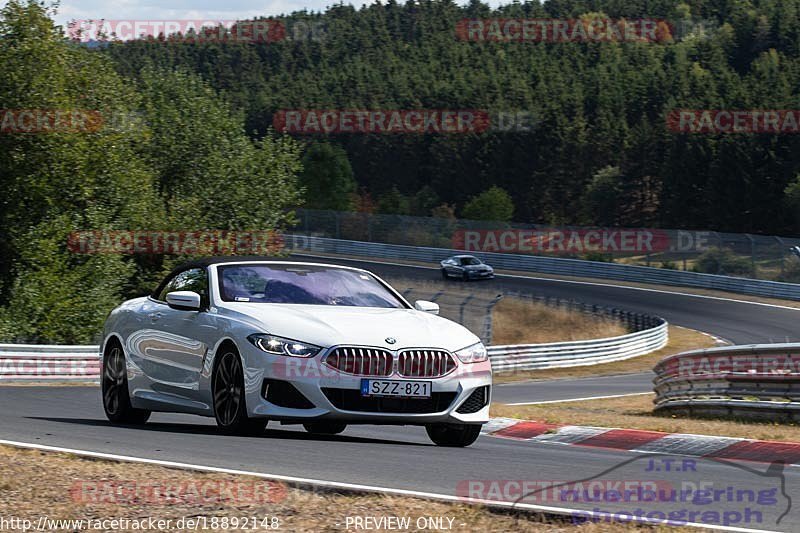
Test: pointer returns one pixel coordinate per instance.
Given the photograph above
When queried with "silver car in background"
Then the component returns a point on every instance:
(465, 267)
(248, 341)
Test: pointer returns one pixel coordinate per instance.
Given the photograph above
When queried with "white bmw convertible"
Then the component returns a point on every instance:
(252, 340)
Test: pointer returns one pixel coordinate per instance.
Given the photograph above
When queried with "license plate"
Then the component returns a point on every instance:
(386, 387)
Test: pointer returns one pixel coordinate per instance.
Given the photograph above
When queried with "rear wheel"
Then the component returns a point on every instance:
(444, 274)
(114, 385)
(325, 428)
(453, 435)
(465, 276)
(230, 409)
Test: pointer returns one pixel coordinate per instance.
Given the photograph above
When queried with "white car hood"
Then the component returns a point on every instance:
(328, 325)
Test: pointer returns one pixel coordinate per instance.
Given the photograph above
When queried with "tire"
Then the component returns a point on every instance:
(114, 387)
(444, 275)
(325, 428)
(465, 276)
(230, 408)
(453, 435)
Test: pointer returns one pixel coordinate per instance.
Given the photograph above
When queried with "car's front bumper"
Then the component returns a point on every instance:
(313, 379)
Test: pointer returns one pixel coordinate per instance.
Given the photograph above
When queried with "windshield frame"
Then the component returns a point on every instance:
(217, 284)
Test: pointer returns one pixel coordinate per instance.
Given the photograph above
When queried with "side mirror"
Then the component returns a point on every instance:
(184, 300)
(427, 307)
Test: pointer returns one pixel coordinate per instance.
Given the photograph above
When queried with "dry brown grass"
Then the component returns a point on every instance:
(636, 412)
(520, 321)
(517, 321)
(680, 340)
(34, 483)
(434, 286)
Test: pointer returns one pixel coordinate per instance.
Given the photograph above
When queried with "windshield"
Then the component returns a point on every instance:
(466, 261)
(303, 284)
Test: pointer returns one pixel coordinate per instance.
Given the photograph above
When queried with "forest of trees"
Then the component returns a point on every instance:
(600, 151)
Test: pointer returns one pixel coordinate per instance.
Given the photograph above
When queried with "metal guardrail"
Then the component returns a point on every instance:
(580, 353)
(23, 362)
(755, 381)
(298, 243)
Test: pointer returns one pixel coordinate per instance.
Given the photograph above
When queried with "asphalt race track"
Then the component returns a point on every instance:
(398, 458)
(403, 458)
(566, 389)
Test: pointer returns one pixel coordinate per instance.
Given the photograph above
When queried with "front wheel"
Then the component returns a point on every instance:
(453, 435)
(114, 385)
(230, 409)
(325, 428)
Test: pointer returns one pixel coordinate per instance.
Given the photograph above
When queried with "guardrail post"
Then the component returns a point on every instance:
(463, 307)
(487, 330)
(752, 255)
(783, 248)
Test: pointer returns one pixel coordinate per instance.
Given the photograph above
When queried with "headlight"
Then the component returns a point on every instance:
(473, 354)
(280, 346)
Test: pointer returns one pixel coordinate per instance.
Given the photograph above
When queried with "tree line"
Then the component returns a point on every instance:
(167, 153)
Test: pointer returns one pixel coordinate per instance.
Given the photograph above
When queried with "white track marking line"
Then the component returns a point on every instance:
(352, 487)
(592, 283)
(699, 445)
(718, 340)
(582, 399)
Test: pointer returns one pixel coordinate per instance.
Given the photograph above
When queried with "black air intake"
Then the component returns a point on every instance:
(284, 394)
(476, 401)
